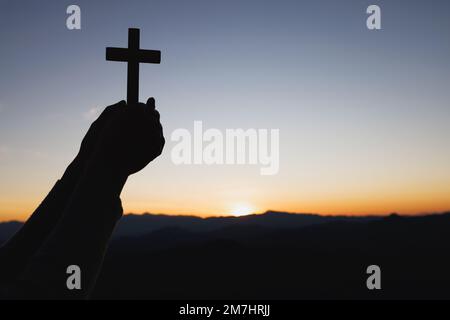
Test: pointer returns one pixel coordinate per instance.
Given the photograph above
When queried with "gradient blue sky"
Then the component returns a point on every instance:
(363, 115)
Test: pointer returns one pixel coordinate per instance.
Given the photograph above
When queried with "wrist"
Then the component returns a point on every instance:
(104, 179)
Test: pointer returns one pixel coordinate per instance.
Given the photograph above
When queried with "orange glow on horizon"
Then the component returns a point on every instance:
(21, 212)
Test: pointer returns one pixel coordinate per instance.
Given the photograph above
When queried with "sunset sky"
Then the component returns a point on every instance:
(364, 116)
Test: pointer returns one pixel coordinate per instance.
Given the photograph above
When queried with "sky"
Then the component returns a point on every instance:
(363, 115)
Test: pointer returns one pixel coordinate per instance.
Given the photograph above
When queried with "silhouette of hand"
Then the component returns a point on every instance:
(130, 138)
(92, 137)
(76, 169)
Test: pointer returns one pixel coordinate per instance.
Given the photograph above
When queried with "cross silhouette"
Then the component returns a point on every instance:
(133, 55)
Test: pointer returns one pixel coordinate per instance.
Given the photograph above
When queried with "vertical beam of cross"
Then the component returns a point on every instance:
(133, 66)
(133, 55)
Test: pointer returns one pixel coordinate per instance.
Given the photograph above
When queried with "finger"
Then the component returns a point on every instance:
(110, 110)
(151, 103)
(115, 106)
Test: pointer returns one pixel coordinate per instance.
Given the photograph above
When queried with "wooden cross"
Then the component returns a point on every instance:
(133, 55)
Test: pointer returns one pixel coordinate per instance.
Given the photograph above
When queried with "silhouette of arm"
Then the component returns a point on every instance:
(16, 253)
(80, 238)
(129, 140)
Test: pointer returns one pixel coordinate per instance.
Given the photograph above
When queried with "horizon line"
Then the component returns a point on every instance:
(380, 215)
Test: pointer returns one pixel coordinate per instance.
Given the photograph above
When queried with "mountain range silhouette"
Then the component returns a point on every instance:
(275, 255)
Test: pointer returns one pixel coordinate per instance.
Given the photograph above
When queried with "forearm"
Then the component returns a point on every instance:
(15, 254)
(80, 238)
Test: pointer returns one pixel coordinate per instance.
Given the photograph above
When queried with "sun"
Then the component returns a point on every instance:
(241, 210)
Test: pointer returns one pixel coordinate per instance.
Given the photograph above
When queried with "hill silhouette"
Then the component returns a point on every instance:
(135, 225)
(132, 225)
(276, 256)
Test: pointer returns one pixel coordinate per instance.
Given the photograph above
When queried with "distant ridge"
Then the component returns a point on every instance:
(274, 255)
(136, 225)
(140, 224)
(279, 256)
